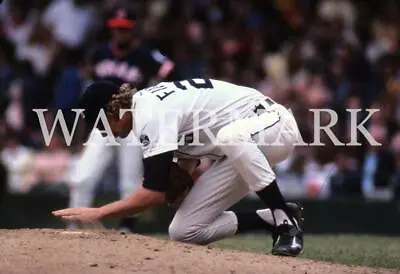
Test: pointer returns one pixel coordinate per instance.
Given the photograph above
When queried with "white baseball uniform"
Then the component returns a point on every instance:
(95, 159)
(246, 132)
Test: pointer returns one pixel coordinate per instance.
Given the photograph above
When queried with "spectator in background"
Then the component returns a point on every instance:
(319, 171)
(14, 112)
(40, 51)
(52, 164)
(385, 40)
(18, 161)
(23, 29)
(277, 83)
(69, 86)
(26, 93)
(4, 176)
(291, 173)
(19, 22)
(6, 74)
(378, 165)
(395, 181)
(346, 180)
(3, 8)
(189, 54)
(70, 21)
(124, 59)
(338, 9)
(3, 182)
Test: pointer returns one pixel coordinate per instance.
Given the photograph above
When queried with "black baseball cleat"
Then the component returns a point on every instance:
(289, 242)
(297, 213)
(288, 239)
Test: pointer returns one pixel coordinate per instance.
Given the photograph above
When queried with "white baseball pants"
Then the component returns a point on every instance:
(252, 146)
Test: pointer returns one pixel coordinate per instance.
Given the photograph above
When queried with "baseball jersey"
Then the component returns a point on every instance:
(137, 67)
(185, 116)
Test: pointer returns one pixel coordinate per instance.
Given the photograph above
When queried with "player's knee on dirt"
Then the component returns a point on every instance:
(181, 232)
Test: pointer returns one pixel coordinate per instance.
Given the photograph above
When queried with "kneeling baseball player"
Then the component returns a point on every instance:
(244, 132)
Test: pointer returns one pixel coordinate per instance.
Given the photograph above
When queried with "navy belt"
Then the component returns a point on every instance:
(268, 102)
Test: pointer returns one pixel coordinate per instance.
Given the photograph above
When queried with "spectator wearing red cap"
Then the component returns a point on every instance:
(126, 58)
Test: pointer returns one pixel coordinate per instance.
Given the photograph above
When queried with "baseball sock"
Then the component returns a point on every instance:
(255, 220)
(272, 197)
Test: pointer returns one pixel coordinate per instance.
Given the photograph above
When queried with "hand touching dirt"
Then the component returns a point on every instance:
(83, 214)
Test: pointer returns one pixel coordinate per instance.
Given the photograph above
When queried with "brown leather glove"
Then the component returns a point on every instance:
(179, 185)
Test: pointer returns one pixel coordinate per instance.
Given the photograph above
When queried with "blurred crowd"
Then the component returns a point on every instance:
(305, 54)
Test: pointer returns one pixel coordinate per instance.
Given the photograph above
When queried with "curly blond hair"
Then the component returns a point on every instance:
(121, 100)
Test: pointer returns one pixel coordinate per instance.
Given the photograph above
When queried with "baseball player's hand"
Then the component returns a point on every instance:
(83, 214)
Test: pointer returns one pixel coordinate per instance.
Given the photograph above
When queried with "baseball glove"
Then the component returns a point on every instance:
(179, 185)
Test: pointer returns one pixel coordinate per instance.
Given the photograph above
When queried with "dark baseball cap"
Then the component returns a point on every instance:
(96, 97)
(122, 18)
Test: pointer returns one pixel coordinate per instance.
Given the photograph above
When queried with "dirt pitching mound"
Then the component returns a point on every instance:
(63, 252)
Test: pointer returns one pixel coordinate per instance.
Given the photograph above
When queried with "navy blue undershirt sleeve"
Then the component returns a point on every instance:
(156, 171)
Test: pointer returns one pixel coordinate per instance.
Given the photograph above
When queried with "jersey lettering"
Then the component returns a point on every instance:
(155, 89)
(206, 84)
(159, 90)
(161, 93)
(110, 68)
(165, 94)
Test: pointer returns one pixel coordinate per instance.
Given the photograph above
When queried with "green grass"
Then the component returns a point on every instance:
(373, 251)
